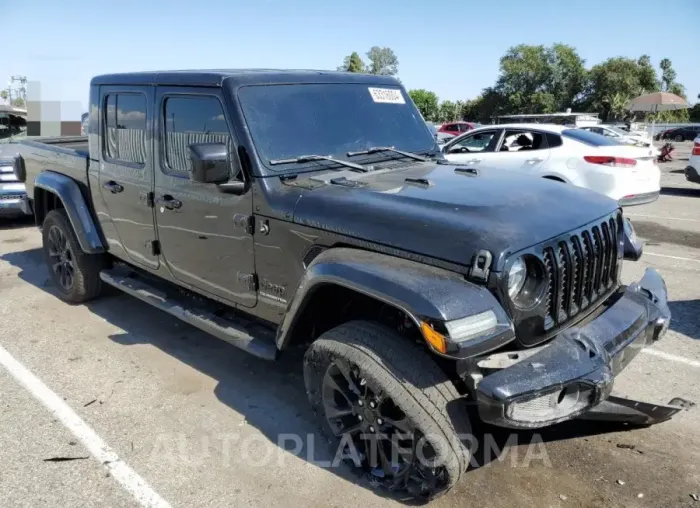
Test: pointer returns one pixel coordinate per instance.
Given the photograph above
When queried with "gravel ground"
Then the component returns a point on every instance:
(204, 424)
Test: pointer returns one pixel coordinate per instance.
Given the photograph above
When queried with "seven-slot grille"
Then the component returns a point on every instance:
(580, 270)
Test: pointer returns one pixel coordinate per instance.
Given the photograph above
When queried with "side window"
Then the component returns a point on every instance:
(125, 127)
(478, 142)
(553, 140)
(187, 120)
(516, 141)
(452, 128)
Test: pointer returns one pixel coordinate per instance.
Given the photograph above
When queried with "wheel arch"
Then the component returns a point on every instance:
(402, 291)
(53, 190)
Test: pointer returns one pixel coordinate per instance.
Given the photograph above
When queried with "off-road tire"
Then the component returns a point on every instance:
(408, 375)
(86, 274)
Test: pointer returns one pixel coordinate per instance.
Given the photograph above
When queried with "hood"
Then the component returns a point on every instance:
(431, 210)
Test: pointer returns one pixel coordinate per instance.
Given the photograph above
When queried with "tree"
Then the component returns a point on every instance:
(448, 111)
(353, 63)
(612, 82)
(383, 61)
(18, 102)
(668, 75)
(538, 79)
(647, 75)
(427, 104)
(4, 95)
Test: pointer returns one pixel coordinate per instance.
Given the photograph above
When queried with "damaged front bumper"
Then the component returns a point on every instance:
(574, 374)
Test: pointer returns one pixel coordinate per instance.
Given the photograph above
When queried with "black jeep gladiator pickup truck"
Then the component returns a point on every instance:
(314, 209)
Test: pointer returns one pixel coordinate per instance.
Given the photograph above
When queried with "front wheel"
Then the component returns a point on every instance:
(75, 273)
(389, 409)
(679, 137)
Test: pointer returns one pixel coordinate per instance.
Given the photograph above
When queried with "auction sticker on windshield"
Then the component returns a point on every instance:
(386, 95)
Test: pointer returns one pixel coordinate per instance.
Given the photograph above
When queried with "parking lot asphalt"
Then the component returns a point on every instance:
(190, 421)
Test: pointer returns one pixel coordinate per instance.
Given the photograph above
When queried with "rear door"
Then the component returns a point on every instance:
(126, 172)
(523, 150)
(205, 235)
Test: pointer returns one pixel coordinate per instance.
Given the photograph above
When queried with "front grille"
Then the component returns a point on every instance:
(580, 270)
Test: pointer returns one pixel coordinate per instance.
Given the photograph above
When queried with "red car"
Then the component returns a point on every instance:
(456, 128)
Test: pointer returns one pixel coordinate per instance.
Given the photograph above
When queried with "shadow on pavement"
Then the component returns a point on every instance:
(687, 192)
(685, 317)
(16, 223)
(270, 395)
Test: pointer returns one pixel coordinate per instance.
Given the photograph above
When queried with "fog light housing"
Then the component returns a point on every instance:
(552, 406)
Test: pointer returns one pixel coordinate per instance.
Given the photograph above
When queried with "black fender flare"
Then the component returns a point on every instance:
(420, 290)
(76, 208)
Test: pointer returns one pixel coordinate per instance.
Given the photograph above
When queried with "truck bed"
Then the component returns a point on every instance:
(68, 155)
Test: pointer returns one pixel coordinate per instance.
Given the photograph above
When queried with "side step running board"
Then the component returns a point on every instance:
(240, 335)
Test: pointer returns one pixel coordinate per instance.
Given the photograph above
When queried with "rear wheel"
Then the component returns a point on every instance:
(385, 403)
(75, 274)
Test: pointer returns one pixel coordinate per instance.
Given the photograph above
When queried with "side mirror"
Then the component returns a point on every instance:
(210, 162)
(633, 248)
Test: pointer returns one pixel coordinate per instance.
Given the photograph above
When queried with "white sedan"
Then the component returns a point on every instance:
(630, 138)
(626, 173)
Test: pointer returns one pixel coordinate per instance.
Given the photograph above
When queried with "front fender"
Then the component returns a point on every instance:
(420, 290)
(76, 208)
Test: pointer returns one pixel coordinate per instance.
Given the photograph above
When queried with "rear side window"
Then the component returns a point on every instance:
(553, 140)
(125, 127)
(191, 119)
(589, 138)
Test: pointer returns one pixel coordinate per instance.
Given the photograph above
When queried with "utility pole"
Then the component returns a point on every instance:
(21, 90)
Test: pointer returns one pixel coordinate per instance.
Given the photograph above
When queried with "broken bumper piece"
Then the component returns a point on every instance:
(575, 372)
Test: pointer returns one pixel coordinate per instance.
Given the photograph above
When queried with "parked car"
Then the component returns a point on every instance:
(415, 286)
(456, 128)
(685, 133)
(692, 172)
(628, 174)
(440, 137)
(623, 136)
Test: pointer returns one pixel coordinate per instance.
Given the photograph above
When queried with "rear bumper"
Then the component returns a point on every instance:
(691, 174)
(639, 199)
(576, 371)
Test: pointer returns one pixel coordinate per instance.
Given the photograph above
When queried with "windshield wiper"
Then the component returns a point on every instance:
(313, 158)
(376, 149)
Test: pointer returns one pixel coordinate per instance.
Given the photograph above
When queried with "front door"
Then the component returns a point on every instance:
(204, 234)
(126, 172)
(475, 149)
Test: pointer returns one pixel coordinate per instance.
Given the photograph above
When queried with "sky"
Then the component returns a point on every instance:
(452, 47)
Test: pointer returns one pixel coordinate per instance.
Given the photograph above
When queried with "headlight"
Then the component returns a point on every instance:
(516, 277)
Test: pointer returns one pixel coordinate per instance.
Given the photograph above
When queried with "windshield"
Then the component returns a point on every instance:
(589, 138)
(287, 121)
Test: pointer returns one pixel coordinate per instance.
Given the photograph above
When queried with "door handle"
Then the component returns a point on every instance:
(169, 202)
(113, 187)
(473, 161)
(536, 159)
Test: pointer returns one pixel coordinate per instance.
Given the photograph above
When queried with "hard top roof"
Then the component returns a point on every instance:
(215, 77)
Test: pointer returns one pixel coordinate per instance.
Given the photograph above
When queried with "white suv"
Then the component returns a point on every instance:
(692, 172)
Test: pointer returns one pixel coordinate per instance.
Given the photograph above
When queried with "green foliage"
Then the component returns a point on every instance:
(449, 112)
(4, 95)
(18, 102)
(427, 104)
(382, 61)
(353, 63)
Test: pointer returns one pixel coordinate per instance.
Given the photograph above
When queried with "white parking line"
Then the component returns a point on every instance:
(659, 217)
(673, 358)
(670, 257)
(119, 470)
